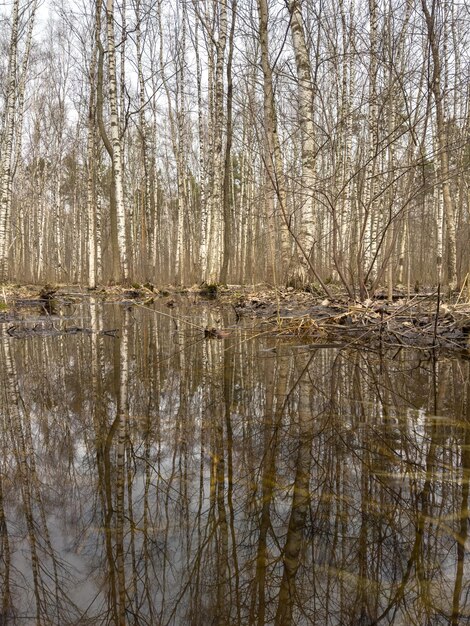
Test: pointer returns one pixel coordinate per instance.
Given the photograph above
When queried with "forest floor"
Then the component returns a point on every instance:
(421, 320)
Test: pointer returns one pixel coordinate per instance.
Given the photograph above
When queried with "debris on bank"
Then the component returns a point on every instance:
(416, 322)
(422, 320)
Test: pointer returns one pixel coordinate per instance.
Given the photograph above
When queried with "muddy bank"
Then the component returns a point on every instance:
(423, 320)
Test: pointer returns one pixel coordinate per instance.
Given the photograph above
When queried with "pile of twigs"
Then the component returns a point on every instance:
(417, 322)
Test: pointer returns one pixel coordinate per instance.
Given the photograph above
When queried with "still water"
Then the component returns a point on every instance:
(156, 476)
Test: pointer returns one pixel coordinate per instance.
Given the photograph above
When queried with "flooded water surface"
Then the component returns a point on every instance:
(152, 475)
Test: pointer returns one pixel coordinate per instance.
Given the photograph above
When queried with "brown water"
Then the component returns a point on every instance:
(158, 477)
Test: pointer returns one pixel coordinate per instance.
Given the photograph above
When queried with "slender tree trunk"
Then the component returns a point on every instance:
(176, 123)
(216, 235)
(306, 99)
(6, 167)
(273, 157)
(147, 231)
(367, 259)
(438, 94)
(228, 247)
(91, 177)
(116, 142)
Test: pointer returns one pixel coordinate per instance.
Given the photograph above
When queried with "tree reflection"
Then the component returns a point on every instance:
(159, 477)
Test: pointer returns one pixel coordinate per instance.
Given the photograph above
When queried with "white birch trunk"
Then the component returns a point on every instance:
(147, 231)
(218, 170)
(369, 193)
(273, 158)
(201, 156)
(306, 100)
(91, 242)
(116, 143)
(438, 94)
(438, 203)
(7, 147)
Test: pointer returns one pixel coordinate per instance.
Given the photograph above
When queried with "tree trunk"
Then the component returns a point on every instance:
(116, 142)
(438, 95)
(273, 157)
(228, 246)
(6, 168)
(306, 98)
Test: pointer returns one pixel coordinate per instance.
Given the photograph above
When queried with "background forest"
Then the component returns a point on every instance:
(235, 141)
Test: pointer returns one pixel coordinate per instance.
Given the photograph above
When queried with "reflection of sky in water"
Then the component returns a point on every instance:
(387, 489)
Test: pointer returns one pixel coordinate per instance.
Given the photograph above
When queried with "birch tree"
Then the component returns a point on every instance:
(436, 86)
(6, 165)
(228, 243)
(93, 250)
(272, 157)
(116, 141)
(306, 116)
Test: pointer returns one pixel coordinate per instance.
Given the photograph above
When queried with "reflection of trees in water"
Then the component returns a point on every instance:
(33, 574)
(227, 483)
